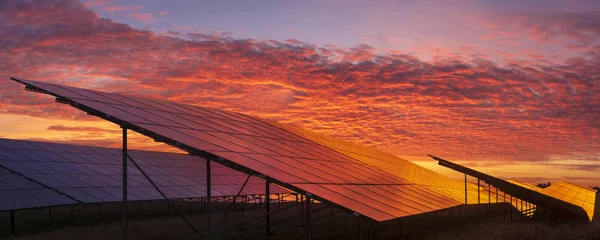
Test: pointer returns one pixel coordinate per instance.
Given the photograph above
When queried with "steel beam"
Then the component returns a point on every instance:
(208, 196)
(268, 206)
(124, 183)
(12, 223)
(308, 200)
(357, 228)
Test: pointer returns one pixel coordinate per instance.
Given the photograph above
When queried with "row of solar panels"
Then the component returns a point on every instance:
(39, 174)
(378, 185)
(564, 198)
(580, 196)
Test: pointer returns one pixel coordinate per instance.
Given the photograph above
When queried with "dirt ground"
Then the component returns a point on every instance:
(155, 220)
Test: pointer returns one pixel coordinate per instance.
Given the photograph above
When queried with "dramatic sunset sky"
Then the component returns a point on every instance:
(511, 88)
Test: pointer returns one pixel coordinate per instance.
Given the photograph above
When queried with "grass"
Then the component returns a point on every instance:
(153, 221)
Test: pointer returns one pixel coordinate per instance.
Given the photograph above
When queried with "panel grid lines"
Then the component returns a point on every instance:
(337, 171)
(92, 174)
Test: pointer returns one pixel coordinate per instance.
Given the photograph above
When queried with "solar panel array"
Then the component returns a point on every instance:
(402, 168)
(429, 182)
(18, 192)
(580, 196)
(373, 183)
(577, 195)
(282, 154)
(94, 175)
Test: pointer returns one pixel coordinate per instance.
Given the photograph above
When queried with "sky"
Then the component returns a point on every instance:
(511, 88)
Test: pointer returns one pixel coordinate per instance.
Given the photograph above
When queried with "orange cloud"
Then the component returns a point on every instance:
(460, 106)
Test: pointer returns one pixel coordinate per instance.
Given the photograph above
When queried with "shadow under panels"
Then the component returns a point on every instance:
(39, 174)
(283, 154)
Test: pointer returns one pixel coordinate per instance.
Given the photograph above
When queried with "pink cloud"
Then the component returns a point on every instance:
(117, 8)
(164, 12)
(97, 3)
(142, 16)
(459, 106)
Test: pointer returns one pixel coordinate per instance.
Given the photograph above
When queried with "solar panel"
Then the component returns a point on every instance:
(561, 196)
(577, 195)
(93, 175)
(18, 192)
(402, 168)
(377, 185)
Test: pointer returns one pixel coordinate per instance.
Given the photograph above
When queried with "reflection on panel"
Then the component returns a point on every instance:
(373, 183)
(577, 195)
(290, 156)
(92, 174)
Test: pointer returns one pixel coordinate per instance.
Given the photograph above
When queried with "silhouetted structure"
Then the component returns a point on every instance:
(543, 185)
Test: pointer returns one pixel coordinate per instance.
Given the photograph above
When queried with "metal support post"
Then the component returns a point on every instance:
(489, 200)
(332, 213)
(496, 195)
(511, 209)
(478, 191)
(357, 228)
(308, 200)
(208, 196)
(478, 198)
(12, 223)
(302, 210)
(466, 201)
(124, 183)
(268, 206)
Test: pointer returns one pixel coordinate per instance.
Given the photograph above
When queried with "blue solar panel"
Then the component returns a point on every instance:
(93, 175)
(18, 192)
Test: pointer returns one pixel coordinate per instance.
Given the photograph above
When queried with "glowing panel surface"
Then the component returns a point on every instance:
(577, 195)
(352, 179)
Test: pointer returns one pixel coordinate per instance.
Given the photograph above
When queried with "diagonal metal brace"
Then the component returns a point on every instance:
(233, 202)
(240, 223)
(162, 194)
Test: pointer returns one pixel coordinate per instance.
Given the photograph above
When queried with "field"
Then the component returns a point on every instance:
(155, 220)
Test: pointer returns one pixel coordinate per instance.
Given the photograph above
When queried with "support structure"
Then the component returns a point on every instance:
(302, 210)
(511, 208)
(124, 183)
(489, 194)
(268, 206)
(12, 223)
(208, 196)
(169, 202)
(234, 201)
(465, 189)
(466, 201)
(478, 191)
(308, 200)
(358, 237)
(496, 195)
(489, 207)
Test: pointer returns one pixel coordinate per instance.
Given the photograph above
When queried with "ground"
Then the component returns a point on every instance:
(154, 220)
